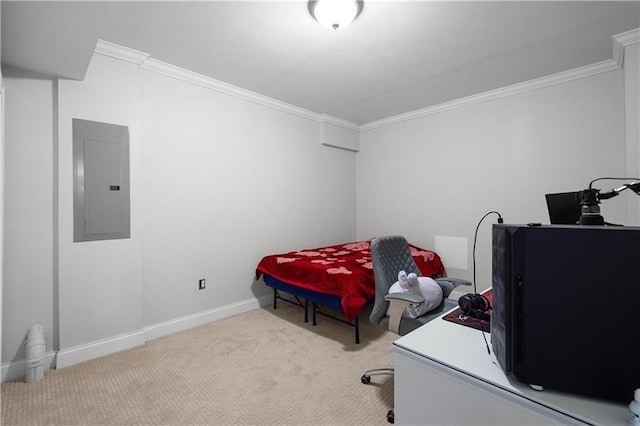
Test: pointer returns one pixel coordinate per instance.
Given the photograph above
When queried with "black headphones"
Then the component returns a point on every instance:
(475, 305)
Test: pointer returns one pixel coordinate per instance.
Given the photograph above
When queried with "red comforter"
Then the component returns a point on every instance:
(342, 270)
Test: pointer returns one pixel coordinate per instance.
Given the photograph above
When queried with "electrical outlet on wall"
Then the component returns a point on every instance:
(202, 284)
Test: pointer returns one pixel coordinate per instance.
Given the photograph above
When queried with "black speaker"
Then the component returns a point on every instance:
(565, 307)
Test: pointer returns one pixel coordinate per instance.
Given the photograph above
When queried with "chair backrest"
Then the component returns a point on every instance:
(389, 255)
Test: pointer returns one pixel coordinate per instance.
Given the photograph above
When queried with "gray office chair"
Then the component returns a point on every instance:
(390, 255)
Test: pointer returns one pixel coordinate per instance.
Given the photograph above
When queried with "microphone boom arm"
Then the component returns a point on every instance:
(590, 200)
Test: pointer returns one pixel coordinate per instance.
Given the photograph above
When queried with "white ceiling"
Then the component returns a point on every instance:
(395, 58)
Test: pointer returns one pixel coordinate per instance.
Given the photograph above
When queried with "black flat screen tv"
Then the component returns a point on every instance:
(566, 307)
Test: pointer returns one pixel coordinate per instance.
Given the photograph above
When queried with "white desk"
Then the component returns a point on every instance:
(444, 375)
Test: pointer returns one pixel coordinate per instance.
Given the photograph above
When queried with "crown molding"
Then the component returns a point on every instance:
(120, 52)
(225, 88)
(538, 83)
(329, 119)
(620, 41)
(628, 38)
(623, 40)
(145, 61)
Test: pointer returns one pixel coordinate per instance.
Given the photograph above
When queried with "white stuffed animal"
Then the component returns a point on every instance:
(420, 286)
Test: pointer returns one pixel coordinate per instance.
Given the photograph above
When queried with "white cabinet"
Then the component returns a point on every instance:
(444, 375)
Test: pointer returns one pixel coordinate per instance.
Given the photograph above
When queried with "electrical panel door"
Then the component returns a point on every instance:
(101, 181)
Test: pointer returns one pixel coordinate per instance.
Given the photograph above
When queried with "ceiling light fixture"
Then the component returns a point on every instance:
(335, 14)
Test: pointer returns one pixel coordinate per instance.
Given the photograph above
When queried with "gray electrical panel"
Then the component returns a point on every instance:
(100, 181)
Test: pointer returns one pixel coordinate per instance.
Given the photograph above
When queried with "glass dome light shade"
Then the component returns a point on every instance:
(335, 13)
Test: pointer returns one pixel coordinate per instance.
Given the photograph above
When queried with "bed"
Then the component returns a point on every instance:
(338, 276)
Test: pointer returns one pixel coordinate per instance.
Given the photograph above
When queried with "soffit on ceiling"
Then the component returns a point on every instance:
(52, 38)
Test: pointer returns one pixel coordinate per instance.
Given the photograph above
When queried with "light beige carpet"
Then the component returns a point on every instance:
(263, 367)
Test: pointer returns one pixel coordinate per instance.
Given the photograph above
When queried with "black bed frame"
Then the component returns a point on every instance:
(316, 300)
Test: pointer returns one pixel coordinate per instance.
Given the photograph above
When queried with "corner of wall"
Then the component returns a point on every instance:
(337, 133)
(631, 67)
(1, 198)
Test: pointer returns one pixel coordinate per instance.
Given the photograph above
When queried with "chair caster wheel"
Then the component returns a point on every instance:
(365, 379)
(390, 416)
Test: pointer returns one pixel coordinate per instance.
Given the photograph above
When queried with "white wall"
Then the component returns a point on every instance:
(28, 211)
(100, 282)
(632, 122)
(217, 182)
(439, 174)
(1, 190)
(227, 182)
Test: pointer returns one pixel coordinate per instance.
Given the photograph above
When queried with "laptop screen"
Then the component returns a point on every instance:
(564, 208)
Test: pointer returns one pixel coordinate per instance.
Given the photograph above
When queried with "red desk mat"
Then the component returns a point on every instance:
(458, 317)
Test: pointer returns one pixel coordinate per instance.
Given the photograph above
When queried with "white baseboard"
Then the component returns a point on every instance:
(77, 354)
(81, 353)
(166, 328)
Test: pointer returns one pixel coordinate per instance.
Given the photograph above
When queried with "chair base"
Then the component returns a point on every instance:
(366, 377)
(390, 416)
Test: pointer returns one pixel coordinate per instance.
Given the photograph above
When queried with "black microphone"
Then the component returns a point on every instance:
(591, 197)
(612, 193)
(635, 187)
